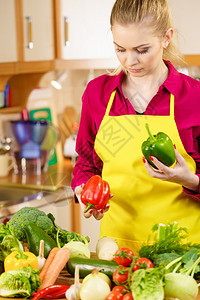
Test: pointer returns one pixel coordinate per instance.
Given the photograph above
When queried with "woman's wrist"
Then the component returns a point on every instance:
(192, 183)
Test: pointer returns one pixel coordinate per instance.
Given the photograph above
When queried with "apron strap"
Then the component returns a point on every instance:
(171, 105)
(110, 102)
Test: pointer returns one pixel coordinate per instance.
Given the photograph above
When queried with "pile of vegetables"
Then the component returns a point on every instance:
(170, 274)
(34, 272)
(46, 223)
(164, 269)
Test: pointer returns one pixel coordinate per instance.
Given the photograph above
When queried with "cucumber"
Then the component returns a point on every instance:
(87, 265)
(34, 234)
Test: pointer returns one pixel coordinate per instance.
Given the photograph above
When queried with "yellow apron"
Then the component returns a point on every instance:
(141, 201)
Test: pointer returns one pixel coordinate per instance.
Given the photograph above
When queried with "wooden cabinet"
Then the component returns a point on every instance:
(85, 29)
(38, 41)
(26, 30)
(27, 47)
(186, 20)
(83, 33)
(8, 49)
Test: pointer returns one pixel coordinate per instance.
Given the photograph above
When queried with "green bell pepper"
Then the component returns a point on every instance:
(159, 146)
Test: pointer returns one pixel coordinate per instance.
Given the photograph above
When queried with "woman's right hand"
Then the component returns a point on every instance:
(97, 214)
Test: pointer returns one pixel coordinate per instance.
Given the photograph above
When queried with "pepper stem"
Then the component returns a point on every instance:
(149, 132)
(21, 255)
(89, 205)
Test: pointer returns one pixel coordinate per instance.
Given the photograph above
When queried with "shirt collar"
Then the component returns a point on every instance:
(172, 83)
(118, 81)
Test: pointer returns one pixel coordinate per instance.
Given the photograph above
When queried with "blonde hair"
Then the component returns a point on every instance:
(135, 11)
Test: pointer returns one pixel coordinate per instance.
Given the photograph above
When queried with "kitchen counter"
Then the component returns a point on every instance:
(57, 176)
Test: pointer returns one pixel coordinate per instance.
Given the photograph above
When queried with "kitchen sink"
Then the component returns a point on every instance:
(16, 194)
(14, 198)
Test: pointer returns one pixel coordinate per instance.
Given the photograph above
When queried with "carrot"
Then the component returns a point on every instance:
(48, 261)
(56, 266)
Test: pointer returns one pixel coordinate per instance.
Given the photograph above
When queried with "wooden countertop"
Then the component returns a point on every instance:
(57, 176)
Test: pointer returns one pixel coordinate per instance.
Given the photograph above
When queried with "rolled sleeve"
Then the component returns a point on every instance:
(194, 195)
(85, 166)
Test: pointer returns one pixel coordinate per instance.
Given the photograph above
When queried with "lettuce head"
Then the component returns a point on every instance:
(20, 283)
(148, 284)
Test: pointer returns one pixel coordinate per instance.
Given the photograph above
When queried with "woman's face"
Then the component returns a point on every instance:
(137, 48)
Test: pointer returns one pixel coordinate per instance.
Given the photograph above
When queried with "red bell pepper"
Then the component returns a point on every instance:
(96, 193)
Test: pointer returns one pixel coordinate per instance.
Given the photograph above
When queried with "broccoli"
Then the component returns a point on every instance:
(27, 215)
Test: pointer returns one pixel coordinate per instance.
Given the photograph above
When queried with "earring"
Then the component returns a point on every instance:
(166, 45)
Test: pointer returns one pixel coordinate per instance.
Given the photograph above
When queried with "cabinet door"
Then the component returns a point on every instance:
(8, 48)
(61, 210)
(38, 30)
(186, 20)
(85, 29)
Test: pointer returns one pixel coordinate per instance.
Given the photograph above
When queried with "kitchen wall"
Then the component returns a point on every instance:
(72, 89)
(57, 100)
(64, 101)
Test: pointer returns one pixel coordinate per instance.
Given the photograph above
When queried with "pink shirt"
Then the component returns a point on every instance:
(94, 102)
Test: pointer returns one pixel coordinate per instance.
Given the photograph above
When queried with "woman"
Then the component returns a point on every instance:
(114, 113)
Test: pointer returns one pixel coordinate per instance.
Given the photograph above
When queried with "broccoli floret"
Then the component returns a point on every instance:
(27, 215)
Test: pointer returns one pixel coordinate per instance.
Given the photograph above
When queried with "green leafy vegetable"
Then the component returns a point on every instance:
(164, 259)
(169, 239)
(9, 244)
(21, 283)
(27, 215)
(148, 284)
(63, 236)
(4, 230)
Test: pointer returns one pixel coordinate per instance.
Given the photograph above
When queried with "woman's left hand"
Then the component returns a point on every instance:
(180, 173)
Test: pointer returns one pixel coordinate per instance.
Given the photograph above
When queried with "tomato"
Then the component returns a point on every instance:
(128, 296)
(115, 295)
(142, 261)
(120, 275)
(119, 288)
(124, 256)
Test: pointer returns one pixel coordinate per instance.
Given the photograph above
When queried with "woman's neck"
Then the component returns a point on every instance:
(140, 90)
(150, 81)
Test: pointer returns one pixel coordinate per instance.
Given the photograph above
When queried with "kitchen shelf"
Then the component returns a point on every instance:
(11, 110)
(192, 60)
(26, 67)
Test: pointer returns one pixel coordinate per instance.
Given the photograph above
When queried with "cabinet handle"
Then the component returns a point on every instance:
(30, 33)
(66, 31)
